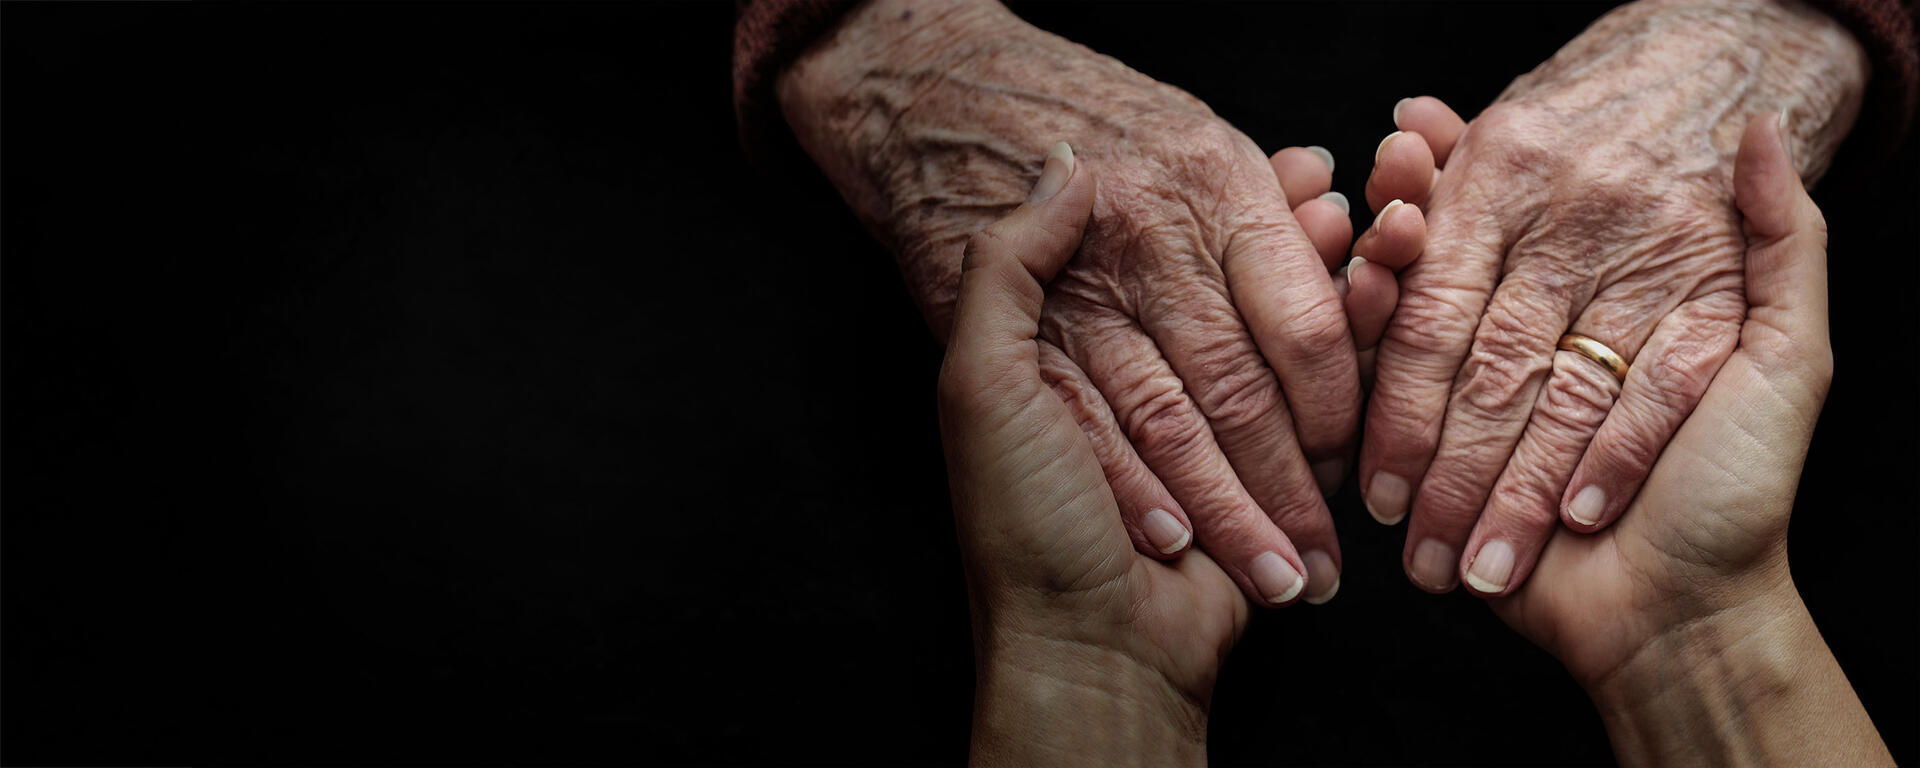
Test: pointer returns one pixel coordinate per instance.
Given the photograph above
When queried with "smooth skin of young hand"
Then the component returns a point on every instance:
(1196, 336)
(1087, 652)
(1594, 197)
(1681, 620)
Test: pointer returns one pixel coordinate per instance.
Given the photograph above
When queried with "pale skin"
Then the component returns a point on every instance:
(1594, 197)
(1088, 652)
(1681, 621)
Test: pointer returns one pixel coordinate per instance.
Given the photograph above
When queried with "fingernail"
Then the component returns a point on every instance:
(1275, 579)
(1323, 154)
(1433, 564)
(1386, 497)
(1491, 568)
(1054, 176)
(1328, 475)
(1383, 145)
(1324, 575)
(1353, 264)
(1165, 531)
(1339, 200)
(1786, 143)
(1384, 211)
(1340, 286)
(1396, 110)
(1587, 504)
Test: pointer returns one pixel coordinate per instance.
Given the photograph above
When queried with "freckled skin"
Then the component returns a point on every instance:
(1595, 196)
(1196, 306)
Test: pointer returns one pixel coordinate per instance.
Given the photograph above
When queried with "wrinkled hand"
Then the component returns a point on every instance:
(1196, 336)
(1595, 197)
(1088, 653)
(1682, 619)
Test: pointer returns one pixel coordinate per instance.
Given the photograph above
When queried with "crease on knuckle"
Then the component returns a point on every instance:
(1423, 316)
(1166, 423)
(1450, 500)
(1317, 335)
(1577, 402)
(1239, 399)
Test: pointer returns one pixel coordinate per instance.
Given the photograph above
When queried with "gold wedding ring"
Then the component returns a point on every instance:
(1593, 350)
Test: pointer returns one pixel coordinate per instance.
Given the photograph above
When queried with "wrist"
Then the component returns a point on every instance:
(1676, 69)
(1749, 682)
(1049, 701)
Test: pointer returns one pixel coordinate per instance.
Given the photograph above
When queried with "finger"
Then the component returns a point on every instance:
(1006, 263)
(1522, 512)
(1491, 402)
(1396, 237)
(1786, 238)
(1171, 435)
(1210, 351)
(1156, 523)
(1327, 225)
(1403, 169)
(1304, 172)
(1666, 380)
(1371, 295)
(1282, 290)
(1442, 296)
(1433, 120)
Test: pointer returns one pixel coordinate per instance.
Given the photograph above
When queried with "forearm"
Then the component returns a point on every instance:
(1047, 702)
(1684, 70)
(1751, 685)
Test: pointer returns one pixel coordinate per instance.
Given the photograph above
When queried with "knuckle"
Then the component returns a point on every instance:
(1574, 406)
(1514, 136)
(1166, 423)
(1529, 503)
(1241, 399)
(1503, 365)
(1450, 501)
(1424, 315)
(1630, 449)
(1318, 333)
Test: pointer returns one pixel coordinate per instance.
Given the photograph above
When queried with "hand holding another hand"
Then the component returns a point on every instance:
(1594, 198)
(1197, 336)
(1086, 651)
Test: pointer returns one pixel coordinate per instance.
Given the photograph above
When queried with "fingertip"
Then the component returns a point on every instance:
(1372, 293)
(1167, 534)
(1433, 120)
(1303, 173)
(1327, 226)
(1403, 169)
(1396, 238)
(1767, 188)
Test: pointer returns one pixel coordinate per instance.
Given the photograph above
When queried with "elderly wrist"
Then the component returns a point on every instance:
(1659, 67)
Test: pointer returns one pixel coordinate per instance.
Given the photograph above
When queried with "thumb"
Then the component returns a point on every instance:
(1786, 324)
(998, 308)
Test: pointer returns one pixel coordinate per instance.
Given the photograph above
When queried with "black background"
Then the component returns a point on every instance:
(440, 384)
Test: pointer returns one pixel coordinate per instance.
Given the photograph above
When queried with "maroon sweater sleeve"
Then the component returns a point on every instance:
(769, 34)
(1886, 29)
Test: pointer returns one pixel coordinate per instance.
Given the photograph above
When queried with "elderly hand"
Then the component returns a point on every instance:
(1196, 336)
(1595, 198)
(1087, 652)
(1681, 619)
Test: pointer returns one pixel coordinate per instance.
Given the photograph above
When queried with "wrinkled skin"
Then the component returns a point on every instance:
(1089, 652)
(1196, 335)
(1682, 620)
(1595, 197)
